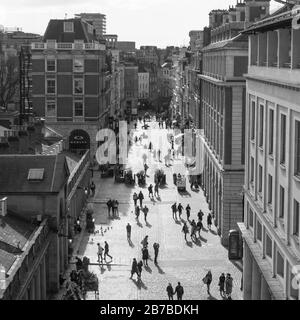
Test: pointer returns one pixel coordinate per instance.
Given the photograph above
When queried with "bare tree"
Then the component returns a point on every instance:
(9, 79)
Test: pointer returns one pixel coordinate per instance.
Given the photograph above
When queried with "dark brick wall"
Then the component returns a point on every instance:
(38, 84)
(64, 84)
(39, 106)
(91, 107)
(38, 65)
(65, 107)
(91, 84)
(65, 65)
(91, 65)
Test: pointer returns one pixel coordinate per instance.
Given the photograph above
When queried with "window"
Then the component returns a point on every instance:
(270, 189)
(35, 175)
(78, 65)
(68, 26)
(271, 132)
(78, 108)
(297, 149)
(253, 120)
(259, 231)
(269, 251)
(281, 203)
(51, 65)
(78, 86)
(252, 170)
(296, 218)
(51, 86)
(260, 173)
(282, 139)
(251, 218)
(280, 265)
(261, 126)
(50, 108)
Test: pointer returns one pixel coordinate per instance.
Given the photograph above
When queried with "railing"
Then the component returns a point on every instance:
(66, 46)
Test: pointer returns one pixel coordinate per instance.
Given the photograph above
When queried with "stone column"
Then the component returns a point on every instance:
(264, 291)
(38, 284)
(256, 281)
(43, 280)
(247, 273)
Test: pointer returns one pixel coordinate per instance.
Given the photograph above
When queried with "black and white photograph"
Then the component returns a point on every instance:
(149, 151)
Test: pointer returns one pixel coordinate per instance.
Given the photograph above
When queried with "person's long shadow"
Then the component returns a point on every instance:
(210, 297)
(148, 225)
(178, 222)
(137, 283)
(102, 269)
(203, 239)
(148, 269)
(160, 270)
(139, 224)
(158, 199)
(189, 244)
(213, 232)
(198, 243)
(131, 243)
(204, 229)
(108, 266)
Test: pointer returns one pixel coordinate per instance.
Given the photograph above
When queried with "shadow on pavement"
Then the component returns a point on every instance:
(160, 270)
(189, 244)
(131, 243)
(210, 297)
(140, 284)
(203, 239)
(214, 232)
(148, 269)
(148, 225)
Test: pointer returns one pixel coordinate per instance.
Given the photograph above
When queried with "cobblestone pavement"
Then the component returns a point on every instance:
(178, 260)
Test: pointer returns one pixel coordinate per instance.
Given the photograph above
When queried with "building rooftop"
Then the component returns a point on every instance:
(14, 170)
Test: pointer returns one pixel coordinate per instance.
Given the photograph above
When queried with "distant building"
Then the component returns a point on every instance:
(111, 41)
(196, 38)
(126, 46)
(131, 88)
(98, 21)
(71, 75)
(143, 85)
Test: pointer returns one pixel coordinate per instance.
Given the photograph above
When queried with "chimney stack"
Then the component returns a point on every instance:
(3, 207)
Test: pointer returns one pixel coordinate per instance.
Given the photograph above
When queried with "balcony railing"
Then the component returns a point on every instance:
(66, 46)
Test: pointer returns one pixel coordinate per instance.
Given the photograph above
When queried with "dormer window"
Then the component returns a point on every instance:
(68, 26)
(35, 175)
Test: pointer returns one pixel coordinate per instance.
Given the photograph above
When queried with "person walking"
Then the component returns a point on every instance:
(135, 199)
(222, 285)
(179, 290)
(109, 206)
(200, 215)
(134, 268)
(93, 188)
(193, 229)
(209, 221)
(228, 286)
(174, 210)
(207, 280)
(116, 208)
(145, 210)
(199, 227)
(141, 198)
(188, 212)
(156, 251)
(159, 154)
(146, 168)
(113, 206)
(100, 253)
(170, 291)
(144, 242)
(150, 189)
(156, 190)
(128, 229)
(180, 207)
(185, 230)
(145, 256)
(137, 212)
(106, 251)
(150, 146)
(140, 269)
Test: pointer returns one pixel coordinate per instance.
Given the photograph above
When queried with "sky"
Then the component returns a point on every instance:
(147, 22)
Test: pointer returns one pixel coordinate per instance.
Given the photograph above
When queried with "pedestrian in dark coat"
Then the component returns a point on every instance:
(174, 210)
(141, 198)
(200, 215)
(170, 291)
(209, 221)
(228, 286)
(134, 268)
(207, 280)
(180, 207)
(179, 290)
(156, 190)
(188, 211)
(140, 269)
(222, 284)
(150, 189)
(135, 199)
(109, 206)
(137, 212)
(145, 210)
(106, 251)
(156, 250)
(145, 255)
(185, 230)
(128, 229)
